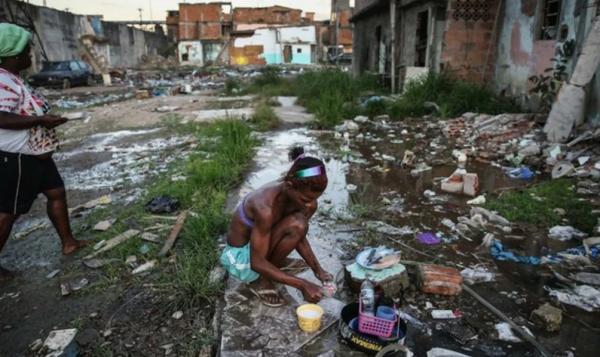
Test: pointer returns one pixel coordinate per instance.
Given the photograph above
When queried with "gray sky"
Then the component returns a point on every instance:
(128, 9)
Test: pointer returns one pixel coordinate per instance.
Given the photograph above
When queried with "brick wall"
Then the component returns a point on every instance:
(468, 39)
(200, 21)
(268, 15)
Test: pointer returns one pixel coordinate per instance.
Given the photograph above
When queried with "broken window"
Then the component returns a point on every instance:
(421, 39)
(550, 19)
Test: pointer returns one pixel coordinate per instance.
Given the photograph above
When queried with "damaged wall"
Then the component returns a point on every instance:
(267, 15)
(276, 45)
(372, 37)
(523, 51)
(59, 35)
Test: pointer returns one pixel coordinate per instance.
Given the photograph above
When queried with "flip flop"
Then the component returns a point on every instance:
(260, 294)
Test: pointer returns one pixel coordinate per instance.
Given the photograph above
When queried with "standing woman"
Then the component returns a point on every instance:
(269, 224)
(27, 142)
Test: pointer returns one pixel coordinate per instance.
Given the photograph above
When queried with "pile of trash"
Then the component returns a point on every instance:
(515, 140)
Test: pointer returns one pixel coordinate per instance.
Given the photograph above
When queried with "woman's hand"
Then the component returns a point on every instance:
(311, 292)
(323, 276)
(51, 121)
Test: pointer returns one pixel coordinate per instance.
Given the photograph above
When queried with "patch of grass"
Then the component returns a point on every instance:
(332, 95)
(328, 92)
(233, 87)
(204, 192)
(264, 117)
(453, 96)
(536, 205)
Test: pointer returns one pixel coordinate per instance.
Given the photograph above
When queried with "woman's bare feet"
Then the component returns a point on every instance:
(6, 274)
(266, 292)
(75, 245)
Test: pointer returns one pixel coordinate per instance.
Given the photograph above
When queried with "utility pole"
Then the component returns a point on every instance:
(140, 10)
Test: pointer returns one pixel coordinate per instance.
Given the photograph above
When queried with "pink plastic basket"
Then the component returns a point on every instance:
(372, 325)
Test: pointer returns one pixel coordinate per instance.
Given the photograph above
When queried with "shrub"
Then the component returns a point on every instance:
(453, 96)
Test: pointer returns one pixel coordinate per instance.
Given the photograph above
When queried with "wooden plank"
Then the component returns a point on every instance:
(110, 244)
(174, 234)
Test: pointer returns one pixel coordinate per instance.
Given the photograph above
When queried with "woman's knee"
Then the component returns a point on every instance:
(299, 224)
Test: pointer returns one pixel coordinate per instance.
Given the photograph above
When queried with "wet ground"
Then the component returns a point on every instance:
(117, 152)
(384, 191)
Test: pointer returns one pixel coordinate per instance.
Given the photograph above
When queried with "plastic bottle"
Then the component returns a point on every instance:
(367, 297)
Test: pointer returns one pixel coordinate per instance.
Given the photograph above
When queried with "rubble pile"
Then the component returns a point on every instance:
(516, 140)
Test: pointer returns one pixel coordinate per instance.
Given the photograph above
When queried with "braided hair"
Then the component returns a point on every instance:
(301, 162)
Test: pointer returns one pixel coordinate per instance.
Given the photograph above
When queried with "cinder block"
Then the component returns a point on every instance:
(471, 185)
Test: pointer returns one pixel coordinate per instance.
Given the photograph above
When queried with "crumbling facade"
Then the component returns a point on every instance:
(340, 29)
(61, 35)
(503, 43)
(203, 32)
(276, 45)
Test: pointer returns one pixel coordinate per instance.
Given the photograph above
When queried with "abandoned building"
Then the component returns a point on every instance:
(61, 35)
(340, 28)
(485, 41)
(203, 32)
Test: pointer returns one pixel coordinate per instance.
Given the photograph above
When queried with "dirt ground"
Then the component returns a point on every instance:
(115, 152)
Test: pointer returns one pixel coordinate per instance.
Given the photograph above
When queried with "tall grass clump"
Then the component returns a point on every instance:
(226, 147)
(264, 117)
(332, 95)
(453, 96)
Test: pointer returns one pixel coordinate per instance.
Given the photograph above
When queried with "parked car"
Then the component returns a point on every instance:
(63, 74)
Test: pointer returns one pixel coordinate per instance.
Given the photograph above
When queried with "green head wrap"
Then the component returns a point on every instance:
(13, 40)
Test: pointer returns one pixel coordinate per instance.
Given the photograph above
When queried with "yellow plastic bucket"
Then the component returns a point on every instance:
(309, 317)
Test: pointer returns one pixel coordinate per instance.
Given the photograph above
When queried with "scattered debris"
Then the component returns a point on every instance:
(151, 237)
(103, 226)
(565, 233)
(52, 274)
(177, 315)
(442, 352)
(505, 332)
(440, 280)
(547, 317)
(68, 288)
(384, 228)
(174, 234)
(98, 263)
(445, 314)
(145, 267)
(61, 343)
(476, 275)
(101, 201)
(479, 200)
(24, 233)
(582, 296)
(110, 244)
(163, 204)
(428, 238)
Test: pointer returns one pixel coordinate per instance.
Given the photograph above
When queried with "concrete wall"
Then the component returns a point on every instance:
(521, 54)
(59, 35)
(365, 42)
(190, 53)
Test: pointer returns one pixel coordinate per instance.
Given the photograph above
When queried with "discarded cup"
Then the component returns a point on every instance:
(386, 312)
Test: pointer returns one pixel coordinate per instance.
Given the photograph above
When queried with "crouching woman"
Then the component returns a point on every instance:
(269, 224)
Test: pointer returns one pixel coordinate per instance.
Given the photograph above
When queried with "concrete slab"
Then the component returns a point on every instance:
(566, 112)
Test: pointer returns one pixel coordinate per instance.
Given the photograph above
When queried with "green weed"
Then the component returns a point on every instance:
(264, 117)
(536, 205)
(453, 96)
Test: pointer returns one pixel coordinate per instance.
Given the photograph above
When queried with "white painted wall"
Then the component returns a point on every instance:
(303, 34)
(194, 51)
